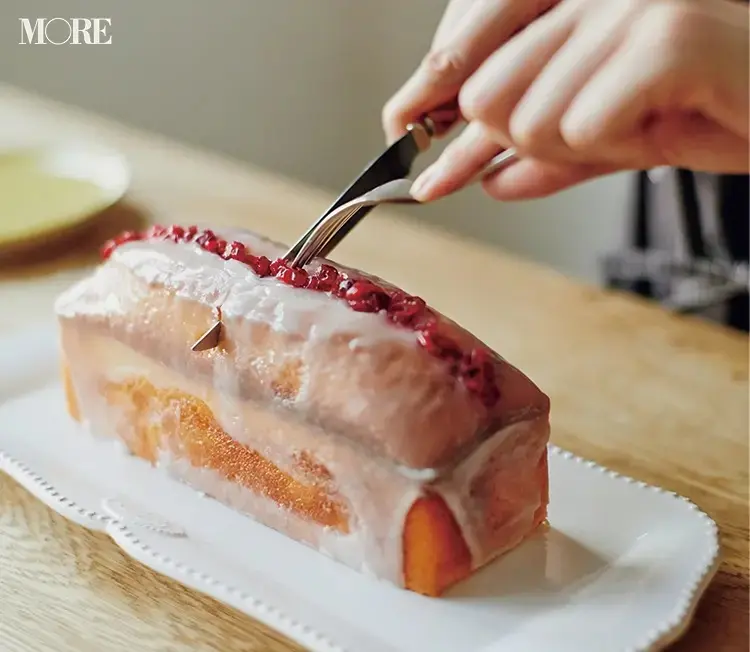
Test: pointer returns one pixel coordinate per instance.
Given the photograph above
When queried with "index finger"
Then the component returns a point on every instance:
(469, 32)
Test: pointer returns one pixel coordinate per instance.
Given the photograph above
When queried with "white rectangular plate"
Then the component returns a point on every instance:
(621, 567)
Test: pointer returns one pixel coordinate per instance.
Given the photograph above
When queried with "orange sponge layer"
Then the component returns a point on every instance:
(190, 430)
(70, 395)
(435, 553)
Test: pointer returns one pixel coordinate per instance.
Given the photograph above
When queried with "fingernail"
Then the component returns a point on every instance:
(426, 182)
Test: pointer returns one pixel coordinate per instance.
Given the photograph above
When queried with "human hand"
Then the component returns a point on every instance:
(469, 32)
(597, 86)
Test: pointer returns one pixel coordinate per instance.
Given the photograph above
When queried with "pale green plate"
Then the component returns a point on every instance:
(46, 190)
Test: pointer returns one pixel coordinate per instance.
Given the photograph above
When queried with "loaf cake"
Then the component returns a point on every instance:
(333, 406)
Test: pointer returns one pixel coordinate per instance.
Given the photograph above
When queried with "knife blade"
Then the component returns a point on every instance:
(395, 163)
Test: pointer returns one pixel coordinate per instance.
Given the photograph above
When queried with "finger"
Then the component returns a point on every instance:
(534, 125)
(533, 179)
(446, 115)
(452, 16)
(494, 90)
(458, 164)
(691, 141)
(615, 102)
(620, 113)
(482, 27)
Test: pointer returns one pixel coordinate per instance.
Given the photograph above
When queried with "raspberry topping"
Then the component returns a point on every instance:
(175, 233)
(365, 296)
(297, 278)
(235, 251)
(260, 264)
(326, 280)
(475, 368)
(406, 310)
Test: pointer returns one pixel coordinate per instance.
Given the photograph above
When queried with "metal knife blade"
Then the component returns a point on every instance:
(395, 163)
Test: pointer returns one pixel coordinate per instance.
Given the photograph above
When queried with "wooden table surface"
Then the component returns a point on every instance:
(656, 396)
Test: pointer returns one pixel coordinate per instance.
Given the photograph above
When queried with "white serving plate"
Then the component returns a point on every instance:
(621, 568)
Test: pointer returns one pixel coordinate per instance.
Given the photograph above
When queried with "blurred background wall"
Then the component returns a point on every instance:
(295, 86)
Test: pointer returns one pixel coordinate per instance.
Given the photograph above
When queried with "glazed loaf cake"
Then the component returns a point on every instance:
(335, 408)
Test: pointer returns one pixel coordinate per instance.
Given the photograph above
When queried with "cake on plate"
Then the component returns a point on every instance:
(322, 401)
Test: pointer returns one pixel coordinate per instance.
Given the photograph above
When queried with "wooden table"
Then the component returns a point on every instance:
(659, 397)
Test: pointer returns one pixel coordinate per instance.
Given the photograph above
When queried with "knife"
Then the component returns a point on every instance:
(395, 163)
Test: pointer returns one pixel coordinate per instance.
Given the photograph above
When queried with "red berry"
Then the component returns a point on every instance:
(127, 236)
(260, 264)
(107, 249)
(405, 309)
(215, 246)
(235, 251)
(191, 233)
(206, 236)
(175, 233)
(439, 345)
(478, 362)
(365, 296)
(276, 265)
(156, 231)
(328, 272)
(292, 276)
(425, 323)
(361, 290)
(326, 279)
(477, 372)
(111, 245)
(343, 285)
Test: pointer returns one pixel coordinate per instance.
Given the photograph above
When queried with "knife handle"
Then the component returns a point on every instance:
(422, 133)
(444, 117)
(435, 124)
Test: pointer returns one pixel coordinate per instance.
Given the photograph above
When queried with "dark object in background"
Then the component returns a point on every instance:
(689, 241)
(734, 207)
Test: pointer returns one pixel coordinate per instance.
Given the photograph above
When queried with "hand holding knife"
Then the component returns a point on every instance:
(395, 163)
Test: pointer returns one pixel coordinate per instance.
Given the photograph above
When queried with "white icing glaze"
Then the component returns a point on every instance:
(193, 273)
(512, 454)
(91, 296)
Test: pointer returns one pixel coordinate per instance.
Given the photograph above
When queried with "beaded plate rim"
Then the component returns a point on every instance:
(127, 538)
